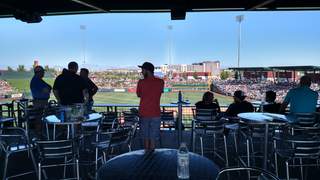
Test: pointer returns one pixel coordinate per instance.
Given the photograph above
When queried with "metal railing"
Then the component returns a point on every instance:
(186, 110)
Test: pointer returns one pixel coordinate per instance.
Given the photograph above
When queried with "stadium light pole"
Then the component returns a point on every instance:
(83, 29)
(239, 19)
(169, 27)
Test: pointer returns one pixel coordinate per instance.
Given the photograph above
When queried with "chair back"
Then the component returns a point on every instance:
(167, 119)
(33, 114)
(56, 149)
(245, 173)
(120, 136)
(306, 119)
(110, 120)
(130, 118)
(300, 145)
(204, 114)
(207, 119)
(13, 138)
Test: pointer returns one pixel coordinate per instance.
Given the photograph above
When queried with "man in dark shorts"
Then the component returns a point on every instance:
(92, 88)
(149, 91)
(69, 88)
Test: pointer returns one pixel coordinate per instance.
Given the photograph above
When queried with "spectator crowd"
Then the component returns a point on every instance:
(255, 89)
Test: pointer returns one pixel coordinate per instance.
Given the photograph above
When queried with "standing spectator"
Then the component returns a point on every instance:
(92, 88)
(149, 91)
(301, 99)
(208, 102)
(271, 106)
(40, 90)
(240, 105)
(70, 88)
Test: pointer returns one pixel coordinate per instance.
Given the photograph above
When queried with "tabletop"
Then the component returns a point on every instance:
(161, 164)
(53, 119)
(260, 117)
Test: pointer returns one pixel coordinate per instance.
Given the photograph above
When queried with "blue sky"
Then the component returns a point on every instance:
(268, 39)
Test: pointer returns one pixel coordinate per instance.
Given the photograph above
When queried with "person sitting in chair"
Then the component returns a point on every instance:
(301, 99)
(240, 105)
(208, 102)
(271, 106)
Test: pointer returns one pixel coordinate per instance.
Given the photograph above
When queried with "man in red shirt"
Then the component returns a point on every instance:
(149, 91)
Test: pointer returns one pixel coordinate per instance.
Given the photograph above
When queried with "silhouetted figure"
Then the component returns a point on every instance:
(149, 90)
(301, 99)
(40, 90)
(70, 88)
(240, 105)
(92, 88)
(208, 102)
(271, 106)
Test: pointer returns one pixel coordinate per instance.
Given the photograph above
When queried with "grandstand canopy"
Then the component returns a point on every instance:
(250, 69)
(296, 68)
(31, 9)
(277, 68)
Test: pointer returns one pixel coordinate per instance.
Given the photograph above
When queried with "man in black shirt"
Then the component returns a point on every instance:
(92, 88)
(70, 88)
(271, 106)
(240, 105)
(208, 102)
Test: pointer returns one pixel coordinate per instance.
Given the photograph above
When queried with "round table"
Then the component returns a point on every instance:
(55, 121)
(266, 119)
(161, 164)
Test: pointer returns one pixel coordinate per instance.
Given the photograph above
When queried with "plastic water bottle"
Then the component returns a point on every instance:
(183, 162)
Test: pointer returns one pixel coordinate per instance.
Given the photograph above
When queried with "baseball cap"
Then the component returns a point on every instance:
(147, 66)
(239, 94)
(38, 69)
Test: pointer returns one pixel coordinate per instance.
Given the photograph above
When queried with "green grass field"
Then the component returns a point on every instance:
(166, 98)
(22, 85)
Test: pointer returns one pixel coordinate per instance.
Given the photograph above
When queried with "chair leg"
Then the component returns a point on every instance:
(65, 167)
(129, 147)
(39, 171)
(104, 157)
(248, 152)
(96, 162)
(275, 158)
(235, 142)
(248, 156)
(47, 129)
(301, 169)
(33, 161)
(214, 145)
(226, 150)
(78, 172)
(201, 145)
(287, 170)
(5, 167)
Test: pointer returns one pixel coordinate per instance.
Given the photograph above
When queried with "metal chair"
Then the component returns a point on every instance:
(245, 173)
(168, 120)
(130, 118)
(206, 120)
(254, 135)
(107, 140)
(297, 147)
(110, 120)
(15, 140)
(55, 154)
(33, 121)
